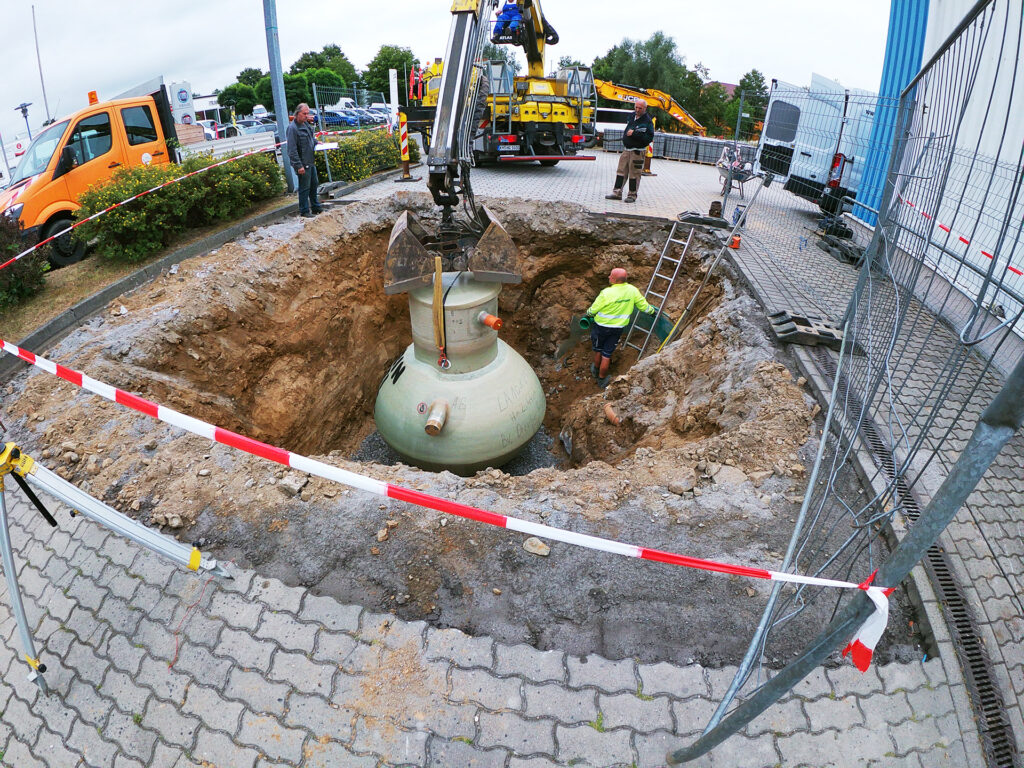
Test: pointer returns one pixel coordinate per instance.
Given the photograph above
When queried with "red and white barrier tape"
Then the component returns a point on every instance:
(110, 208)
(106, 210)
(354, 130)
(950, 232)
(863, 643)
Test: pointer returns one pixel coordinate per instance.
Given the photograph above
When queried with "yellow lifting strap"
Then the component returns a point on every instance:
(194, 559)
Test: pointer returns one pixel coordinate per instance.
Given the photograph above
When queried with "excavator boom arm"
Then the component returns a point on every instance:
(469, 21)
(653, 98)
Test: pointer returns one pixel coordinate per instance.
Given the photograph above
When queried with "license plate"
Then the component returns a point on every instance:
(508, 147)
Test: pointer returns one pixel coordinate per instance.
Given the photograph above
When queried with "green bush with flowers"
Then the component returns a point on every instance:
(24, 277)
(134, 230)
(361, 155)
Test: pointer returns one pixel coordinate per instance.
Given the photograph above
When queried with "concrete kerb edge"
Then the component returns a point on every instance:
(49, 333)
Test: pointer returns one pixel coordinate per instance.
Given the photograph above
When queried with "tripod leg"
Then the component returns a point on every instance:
(28, 647)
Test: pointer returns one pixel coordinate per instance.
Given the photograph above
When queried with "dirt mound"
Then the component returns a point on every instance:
(284, 336)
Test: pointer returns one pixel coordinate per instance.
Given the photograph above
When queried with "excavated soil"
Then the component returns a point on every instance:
(284, 335)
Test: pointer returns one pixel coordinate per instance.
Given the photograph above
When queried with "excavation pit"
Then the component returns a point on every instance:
(284, 336)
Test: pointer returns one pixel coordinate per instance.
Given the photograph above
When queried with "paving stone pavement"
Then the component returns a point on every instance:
(150, 665)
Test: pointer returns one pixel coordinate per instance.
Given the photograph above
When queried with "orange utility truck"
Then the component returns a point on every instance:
(71, 154)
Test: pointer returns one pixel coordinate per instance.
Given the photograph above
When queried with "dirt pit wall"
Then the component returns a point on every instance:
(284, 335)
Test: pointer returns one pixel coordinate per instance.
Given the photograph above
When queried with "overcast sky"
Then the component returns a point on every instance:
(103, 46)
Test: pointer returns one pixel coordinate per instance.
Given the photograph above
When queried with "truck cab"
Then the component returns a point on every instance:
(67, 157)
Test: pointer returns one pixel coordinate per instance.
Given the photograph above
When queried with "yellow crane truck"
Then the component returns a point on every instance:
(519, 119)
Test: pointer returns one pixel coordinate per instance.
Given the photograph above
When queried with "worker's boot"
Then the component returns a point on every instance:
(594, 372)
(615, 195)
(631, 197)
(603, 381)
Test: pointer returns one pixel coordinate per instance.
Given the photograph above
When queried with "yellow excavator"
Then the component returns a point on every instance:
(654, 98)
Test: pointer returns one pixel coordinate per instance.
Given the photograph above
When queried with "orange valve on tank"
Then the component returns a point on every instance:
(490, 321)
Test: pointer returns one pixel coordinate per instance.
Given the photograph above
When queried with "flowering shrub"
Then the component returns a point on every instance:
(24, 277)
(137, 229)
(361, 155)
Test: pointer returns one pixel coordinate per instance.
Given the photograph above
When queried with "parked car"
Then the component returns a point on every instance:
(352, 117)
(334, 119)
(215, 130)
(262, 128)
(372, 117)
(260, 112)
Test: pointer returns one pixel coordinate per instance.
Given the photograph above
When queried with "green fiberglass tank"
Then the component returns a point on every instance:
(476, 413)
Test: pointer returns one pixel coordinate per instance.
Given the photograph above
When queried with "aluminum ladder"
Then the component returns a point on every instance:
(665, 264)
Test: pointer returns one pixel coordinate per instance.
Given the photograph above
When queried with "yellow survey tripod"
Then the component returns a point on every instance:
(16, 464)
(25, 470)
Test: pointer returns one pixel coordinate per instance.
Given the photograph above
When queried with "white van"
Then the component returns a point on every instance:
(816, 139)
(343, 103)
(260, 112)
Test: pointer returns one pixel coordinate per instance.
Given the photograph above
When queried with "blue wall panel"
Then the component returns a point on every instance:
(908, 21)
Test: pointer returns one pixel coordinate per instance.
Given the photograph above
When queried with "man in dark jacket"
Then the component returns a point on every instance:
(639, 132)
(301, 144)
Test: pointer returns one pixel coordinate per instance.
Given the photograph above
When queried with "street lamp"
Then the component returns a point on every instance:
(24, 113)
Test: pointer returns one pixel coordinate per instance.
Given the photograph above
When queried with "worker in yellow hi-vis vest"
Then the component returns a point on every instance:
(609, 315)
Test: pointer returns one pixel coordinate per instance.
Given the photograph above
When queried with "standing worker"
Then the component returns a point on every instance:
(609, 315)
(638, 134)
(301, 145)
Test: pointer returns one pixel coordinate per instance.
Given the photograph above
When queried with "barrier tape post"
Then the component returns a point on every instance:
(864, 640)
(403, 133)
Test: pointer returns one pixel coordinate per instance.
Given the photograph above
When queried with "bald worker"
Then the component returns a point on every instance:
(609, 315)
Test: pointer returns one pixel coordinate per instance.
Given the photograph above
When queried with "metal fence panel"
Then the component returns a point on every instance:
(927, 384)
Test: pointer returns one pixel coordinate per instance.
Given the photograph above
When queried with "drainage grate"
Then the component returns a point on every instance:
(996, 733)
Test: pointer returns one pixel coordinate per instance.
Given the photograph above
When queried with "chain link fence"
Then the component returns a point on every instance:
(914, 312)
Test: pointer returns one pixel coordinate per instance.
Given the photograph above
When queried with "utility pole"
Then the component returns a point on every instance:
(3, 151)
(39, 63)
(24, 113)
(277, 85)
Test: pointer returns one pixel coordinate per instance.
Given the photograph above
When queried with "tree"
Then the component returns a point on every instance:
(569, 61)
(755, 92)
(296, 91)
(653, 63)
(492, 52)
(240, 96)
(331, 57)
(328, 83)
(250, 76)
(710, 109)
(375, 77)
(755, 101)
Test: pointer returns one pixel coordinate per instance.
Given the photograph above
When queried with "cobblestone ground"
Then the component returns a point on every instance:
(150, 665)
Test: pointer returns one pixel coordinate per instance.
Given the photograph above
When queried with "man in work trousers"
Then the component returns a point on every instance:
(609, 315)
(638, 134)
(301, 144)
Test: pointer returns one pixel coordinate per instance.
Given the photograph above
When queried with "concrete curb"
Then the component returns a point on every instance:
(49, 333)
